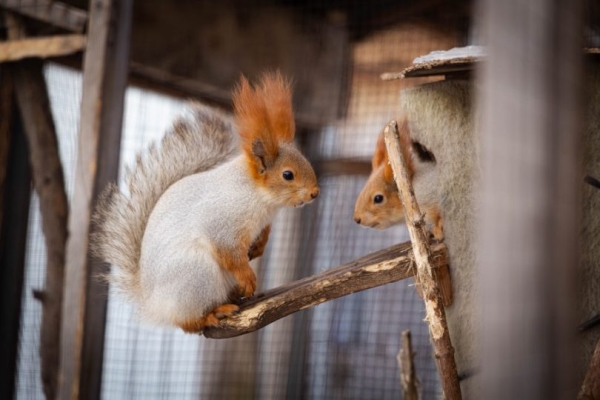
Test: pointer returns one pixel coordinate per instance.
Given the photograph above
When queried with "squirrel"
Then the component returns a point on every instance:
(199, 209)
(378, 205)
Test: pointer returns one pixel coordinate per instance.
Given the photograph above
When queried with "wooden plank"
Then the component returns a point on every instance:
(46, 47)
(531, 180)
(49, 184)
(434, 303)
(12, 254)
(104, 82)
(343, 166)
(376, 269)
(49, 11)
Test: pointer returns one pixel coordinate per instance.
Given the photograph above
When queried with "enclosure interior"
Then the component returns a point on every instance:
(335, 51)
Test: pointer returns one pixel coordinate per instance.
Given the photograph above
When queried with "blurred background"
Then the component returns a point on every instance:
(335, 51)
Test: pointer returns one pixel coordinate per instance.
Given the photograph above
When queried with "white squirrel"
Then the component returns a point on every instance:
(199, 209)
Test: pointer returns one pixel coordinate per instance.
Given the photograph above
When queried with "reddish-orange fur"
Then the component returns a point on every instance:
(381, 156)
(236, 262)
(210, 319)
(264, 114)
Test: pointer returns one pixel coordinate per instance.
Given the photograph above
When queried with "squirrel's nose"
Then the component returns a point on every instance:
(315, 193)
(357, 220)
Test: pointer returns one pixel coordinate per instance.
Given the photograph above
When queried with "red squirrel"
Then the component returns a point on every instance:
(378, 205)
(201, 205)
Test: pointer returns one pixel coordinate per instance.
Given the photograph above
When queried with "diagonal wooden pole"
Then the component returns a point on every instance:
(436, 316)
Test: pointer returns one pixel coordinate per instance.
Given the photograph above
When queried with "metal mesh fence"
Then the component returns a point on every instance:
(343, 349)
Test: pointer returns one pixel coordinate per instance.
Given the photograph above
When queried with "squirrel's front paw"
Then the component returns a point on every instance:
(247, 283)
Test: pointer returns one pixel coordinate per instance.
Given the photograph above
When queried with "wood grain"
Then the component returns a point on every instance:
(434, 305)
(84, 306)
(48, 179)
(376, 269)
(45, 47)
(49, 184)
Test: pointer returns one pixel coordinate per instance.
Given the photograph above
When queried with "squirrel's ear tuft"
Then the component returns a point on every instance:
(380, 155)
(252, 120)
(388, 173)
(277, 94)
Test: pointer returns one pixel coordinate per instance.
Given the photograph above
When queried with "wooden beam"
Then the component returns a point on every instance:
(434, 303)
(376, 269)
(45, 47)
(104, 82)
(48, 179)
(49, 11)
(532, 115)
(12, 252)
(343, 166)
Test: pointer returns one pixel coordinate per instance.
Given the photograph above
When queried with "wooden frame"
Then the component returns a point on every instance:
(532, 115)
(104, 81)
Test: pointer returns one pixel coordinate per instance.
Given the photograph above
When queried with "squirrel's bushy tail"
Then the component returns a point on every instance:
(196, 143)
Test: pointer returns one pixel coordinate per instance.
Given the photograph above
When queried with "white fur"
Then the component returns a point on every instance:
(179, 276)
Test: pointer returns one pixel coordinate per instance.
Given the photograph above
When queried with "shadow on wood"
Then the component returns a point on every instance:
(385, 266)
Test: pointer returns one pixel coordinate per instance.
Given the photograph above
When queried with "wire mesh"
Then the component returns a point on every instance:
(343, 349)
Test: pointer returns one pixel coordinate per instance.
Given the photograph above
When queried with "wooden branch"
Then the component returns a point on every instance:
(590, 389)
(343, 166)
(436, 315)
(376, 269)
(48, 179)
(49, 11)
(53, 46)
(406, 363)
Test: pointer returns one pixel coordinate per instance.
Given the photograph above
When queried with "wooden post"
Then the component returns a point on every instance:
(434, 307)
(406, 363)
(104, 81)
(49, 184)
(48, 179)
(532, 116)
(15, 219)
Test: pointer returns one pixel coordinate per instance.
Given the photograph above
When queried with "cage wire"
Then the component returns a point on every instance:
(343, 349)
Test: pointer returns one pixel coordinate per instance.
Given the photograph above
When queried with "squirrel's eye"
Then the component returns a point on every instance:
(288, 175)
(378, 199)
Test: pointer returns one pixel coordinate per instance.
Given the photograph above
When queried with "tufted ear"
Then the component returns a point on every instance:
(260, 156)
(380, 155)
(254, 127)
(277, 94)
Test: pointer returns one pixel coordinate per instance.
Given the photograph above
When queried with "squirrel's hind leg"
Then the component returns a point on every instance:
(236, 262)
(210, 319)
